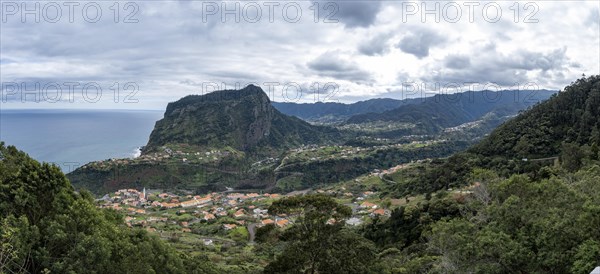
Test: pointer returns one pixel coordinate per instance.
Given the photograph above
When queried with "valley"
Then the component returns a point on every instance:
(215, 198)
(235, 138)
(300, 137)
(400, 204)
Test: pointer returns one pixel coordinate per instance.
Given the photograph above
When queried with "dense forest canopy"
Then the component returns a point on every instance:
(45, 226)
(531, 202)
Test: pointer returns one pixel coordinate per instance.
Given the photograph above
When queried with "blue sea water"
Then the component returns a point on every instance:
(71, 138)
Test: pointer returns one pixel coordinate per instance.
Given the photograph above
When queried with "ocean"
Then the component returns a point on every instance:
(71, 138)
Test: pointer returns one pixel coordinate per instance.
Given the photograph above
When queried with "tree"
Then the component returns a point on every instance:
(571, 156)
(587, 257)
(318, 242)
(46, 226)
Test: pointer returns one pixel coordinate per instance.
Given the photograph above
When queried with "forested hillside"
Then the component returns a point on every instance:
(572, 116)
(435, 113)
(514, 225)
(563, 129)
(510, 214)
(338, 112)
(47, 227)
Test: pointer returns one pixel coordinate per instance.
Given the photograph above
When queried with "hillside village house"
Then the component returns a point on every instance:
(368, 205)
(282, 223)
(267, 222)
(238, 214)
(229, 226)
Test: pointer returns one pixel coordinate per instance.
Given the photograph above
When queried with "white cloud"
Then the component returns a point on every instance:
(369, 52)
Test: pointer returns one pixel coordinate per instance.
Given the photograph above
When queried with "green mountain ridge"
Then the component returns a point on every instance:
(571, 116)
(338, 112)
(236, 138)
(523, 200)
(441, 111)
(565, 127)
(243, 119)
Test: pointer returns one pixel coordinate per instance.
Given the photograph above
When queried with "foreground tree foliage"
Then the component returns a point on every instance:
(529, 226)
(318, 241)
(45, 226)
(515, 225)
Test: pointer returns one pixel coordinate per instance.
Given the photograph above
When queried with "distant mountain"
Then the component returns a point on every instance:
(242, 119)
(561, 131)
(236, 138)
(534, 173)
(435, 113)
(338, 112)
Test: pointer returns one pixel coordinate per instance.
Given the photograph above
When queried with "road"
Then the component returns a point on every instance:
(252, 231)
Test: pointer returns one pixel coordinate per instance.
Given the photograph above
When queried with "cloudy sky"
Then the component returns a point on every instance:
(150, 53)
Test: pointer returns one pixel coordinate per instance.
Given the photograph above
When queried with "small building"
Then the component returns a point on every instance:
(354, 221)
(260, 211)
(229, 226)
(238, 214)
(208, 217)
(282, 223)
(190, 203)
(379, 212)
(366, 204)
(169, 205)
(156, 204)
(267, 222)
(232, 202)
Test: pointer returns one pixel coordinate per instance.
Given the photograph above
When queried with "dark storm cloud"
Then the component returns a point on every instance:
(457, 61)
(529, 60)
(330, 64)
(351, 13)
(502, 77)
(420, 41)
(377, 45)
(492, 66)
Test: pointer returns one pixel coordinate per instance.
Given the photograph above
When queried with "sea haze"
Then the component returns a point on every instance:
(71, 138)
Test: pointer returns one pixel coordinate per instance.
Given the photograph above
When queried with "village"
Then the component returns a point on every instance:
(224, 215)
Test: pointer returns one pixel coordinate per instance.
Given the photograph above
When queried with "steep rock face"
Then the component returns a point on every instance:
(208, 142)
(260, 127)
(243, 119)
